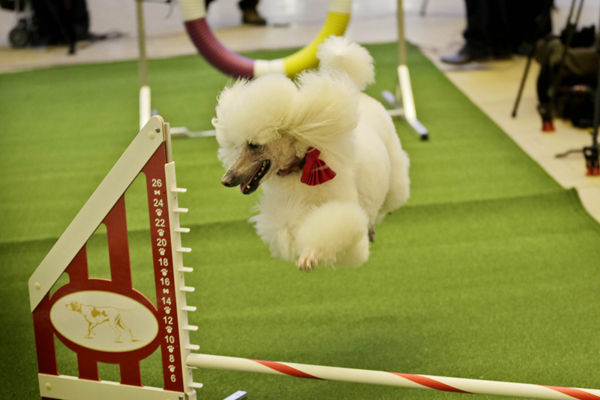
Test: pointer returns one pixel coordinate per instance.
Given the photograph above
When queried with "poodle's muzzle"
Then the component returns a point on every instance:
(247, 174)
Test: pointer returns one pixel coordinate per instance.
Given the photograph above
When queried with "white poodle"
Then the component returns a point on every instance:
(327, 156)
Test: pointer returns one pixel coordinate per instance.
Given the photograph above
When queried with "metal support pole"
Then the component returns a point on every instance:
(591, 153)
(401, 37)
(543, 20)
(145, 103)
(571, 29)
(404, 101)
(424, 7)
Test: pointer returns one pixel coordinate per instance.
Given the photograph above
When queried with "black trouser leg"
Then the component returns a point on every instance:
(244, 4)
(487, 25)
(476, 34)
(543, 84)
(499, 27)
(248, 4)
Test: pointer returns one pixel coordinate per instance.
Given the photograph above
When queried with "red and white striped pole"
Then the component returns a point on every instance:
(459, 385)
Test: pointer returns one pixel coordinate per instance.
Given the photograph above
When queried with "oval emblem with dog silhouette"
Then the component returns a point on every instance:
(104, 321)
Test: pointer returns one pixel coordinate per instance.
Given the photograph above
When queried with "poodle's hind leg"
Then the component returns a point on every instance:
(372, 234)
(335, 234)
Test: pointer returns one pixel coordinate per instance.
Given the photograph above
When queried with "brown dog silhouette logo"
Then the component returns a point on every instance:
(95, 316)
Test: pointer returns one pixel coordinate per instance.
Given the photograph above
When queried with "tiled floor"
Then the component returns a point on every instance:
(294, 23)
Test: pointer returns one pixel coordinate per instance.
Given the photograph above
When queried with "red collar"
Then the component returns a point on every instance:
(294, 168)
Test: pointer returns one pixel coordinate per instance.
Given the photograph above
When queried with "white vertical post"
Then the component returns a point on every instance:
(405, 94)
(179, 270)
(145, 104)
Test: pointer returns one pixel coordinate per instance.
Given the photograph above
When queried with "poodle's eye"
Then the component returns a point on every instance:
(253, 146)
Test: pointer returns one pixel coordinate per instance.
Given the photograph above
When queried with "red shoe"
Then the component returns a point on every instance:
(548, 126)
(592, 160)
(593, 171)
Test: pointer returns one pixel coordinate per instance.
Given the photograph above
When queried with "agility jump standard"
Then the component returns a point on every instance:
(109, 321)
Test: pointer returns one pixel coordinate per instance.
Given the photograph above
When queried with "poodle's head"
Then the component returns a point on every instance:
(265, 126)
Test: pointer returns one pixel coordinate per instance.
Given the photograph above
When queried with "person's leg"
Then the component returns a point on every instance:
(477, 45)
(544, 82)
(476, 34)
(529, 21)
(248, 4)
(249, 13)
(499, 29)
(81, 20)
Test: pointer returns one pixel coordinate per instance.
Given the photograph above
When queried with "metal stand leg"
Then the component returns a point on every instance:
(571, 29)
(424, 7)
(146, 110)
(592, 157)
(404, 102)
(543, 20)
(239, 395)
(591, 153)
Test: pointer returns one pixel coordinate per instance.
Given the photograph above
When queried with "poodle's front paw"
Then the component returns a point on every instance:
(308, 261)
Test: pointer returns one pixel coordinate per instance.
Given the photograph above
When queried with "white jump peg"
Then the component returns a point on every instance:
(188, 308)
(185, 269)
(180, 210)
(187, 289)
(193, 347)
(184, 250)
(196, 385)
(192, 328)
(178, 190)
(182, 230)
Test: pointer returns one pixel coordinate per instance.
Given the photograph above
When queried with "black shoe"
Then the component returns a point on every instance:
(502, 53)
(252, 17)
(466, 55)
(503, 56)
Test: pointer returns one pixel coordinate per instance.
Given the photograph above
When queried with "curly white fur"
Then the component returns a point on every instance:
(339, 54)
(330, 223)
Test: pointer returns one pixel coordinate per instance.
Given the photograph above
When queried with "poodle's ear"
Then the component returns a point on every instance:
(228, 145)
(228, 94)
(325, 110)
(254, 111)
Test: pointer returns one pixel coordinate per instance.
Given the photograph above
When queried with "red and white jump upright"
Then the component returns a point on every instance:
(79, 312)
(110, 321)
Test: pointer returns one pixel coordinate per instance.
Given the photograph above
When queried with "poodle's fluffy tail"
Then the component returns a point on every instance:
(338, 54)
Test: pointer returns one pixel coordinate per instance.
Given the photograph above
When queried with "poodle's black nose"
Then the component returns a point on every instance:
(225, 181)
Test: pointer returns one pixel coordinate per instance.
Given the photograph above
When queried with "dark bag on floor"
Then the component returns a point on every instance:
(574, 97)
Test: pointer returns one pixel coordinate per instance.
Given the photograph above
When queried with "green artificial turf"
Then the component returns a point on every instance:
(490, 271)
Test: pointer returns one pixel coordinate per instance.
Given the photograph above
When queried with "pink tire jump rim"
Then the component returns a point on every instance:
(231, 63)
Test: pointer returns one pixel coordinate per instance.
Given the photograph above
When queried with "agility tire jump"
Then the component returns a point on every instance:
(110, 321)
(194, 16)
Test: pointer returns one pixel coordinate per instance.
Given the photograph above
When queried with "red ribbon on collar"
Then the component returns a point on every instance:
(315, 171)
